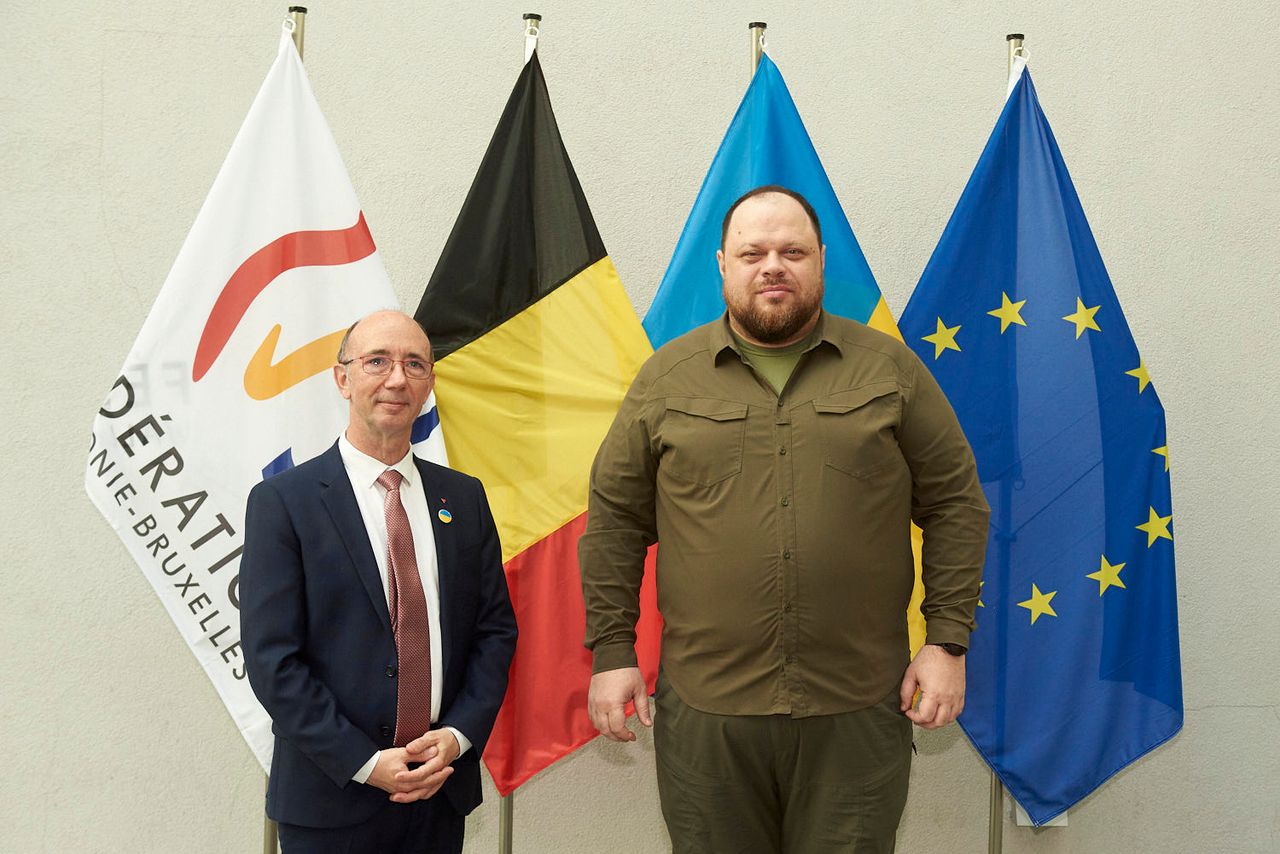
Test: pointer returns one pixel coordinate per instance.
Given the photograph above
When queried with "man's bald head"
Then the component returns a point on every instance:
(344, 347)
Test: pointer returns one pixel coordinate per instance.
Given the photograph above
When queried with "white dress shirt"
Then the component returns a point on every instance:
(363, 471)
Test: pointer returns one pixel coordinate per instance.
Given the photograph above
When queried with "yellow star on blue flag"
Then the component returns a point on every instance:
(1009, 312)
(943, 338)
(1083, 317)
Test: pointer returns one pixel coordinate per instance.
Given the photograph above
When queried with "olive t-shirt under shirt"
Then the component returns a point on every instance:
(775, 364)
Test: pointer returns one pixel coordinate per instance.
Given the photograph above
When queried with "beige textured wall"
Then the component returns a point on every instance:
(115, 116)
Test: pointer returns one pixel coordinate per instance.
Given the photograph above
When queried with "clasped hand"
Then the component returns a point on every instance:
(436, 750)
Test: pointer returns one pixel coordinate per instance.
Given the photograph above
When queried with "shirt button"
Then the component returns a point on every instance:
(391, 671)
(783, 450)
(791, 659)
(788, 607)
(786, 502)
(786, 554)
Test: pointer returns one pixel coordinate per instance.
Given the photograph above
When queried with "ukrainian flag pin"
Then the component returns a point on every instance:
(445, 516)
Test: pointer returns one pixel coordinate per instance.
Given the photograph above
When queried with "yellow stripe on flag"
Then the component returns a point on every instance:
(882, 321)
(528, 403)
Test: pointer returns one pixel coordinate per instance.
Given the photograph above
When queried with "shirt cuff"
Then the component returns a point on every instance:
(362, 776)
(613, 656)
(464, 743)
(941, 630)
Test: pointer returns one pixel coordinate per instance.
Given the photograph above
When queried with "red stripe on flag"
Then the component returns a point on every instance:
(544, 716)
(296, 249)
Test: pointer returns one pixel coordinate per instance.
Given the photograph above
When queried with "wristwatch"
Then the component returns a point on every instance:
(953, 648)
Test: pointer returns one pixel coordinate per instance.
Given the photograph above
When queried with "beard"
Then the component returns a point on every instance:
(774, 324)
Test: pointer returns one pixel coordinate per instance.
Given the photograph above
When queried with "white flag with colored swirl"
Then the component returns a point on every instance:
(230, 378)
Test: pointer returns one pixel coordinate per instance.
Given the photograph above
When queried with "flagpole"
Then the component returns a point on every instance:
(757, 43)
(995, 809)
(506, 805)
(299, 16)
(506, 817)
(532, 25)
(270, 832)
(1015, 47)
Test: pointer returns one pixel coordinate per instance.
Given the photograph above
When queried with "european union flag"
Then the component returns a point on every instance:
(1074, 670)
(766, 144)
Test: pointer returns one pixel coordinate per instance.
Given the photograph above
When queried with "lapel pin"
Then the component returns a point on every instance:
(445, 516)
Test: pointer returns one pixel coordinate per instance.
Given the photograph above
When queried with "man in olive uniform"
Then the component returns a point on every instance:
(780, 455)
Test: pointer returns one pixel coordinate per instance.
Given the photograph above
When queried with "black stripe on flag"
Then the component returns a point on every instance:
(524, 230)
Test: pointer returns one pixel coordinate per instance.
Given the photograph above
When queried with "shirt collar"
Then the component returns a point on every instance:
(722, 338)
(365, 470)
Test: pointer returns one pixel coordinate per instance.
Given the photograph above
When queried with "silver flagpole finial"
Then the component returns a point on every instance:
(757, 43)
(532, 26)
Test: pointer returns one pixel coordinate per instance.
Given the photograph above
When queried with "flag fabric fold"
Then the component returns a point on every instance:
(229, 379)
(767, 143)
(1073, 672)
(536, 344)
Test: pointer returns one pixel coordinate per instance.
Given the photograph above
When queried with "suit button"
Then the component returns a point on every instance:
(386, 731)
(391, 671)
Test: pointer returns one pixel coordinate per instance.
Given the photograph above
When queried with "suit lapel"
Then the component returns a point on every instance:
(340, 500)
(446, 550)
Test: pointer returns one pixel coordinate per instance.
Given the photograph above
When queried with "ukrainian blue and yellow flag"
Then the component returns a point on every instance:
(1074, 671)
(767, 144)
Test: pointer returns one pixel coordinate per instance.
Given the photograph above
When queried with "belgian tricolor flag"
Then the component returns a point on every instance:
(535, 344)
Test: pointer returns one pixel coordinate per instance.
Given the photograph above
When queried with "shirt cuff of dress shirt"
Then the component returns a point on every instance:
(362, 776)
(464, 743)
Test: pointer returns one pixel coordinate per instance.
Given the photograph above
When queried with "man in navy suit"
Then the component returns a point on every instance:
(371, 581)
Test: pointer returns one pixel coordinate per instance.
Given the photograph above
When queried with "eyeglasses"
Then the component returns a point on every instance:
(378, 365)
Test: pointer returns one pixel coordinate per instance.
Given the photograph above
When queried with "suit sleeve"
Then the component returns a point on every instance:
(273, 627)
(493, 639)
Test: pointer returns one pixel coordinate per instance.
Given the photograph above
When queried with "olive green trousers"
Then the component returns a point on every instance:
(774, 784)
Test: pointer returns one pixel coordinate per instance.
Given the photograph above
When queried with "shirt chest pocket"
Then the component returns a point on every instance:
(857, 427)
(701, 440)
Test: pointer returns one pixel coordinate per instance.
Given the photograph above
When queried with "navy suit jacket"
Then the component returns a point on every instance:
(316, 636)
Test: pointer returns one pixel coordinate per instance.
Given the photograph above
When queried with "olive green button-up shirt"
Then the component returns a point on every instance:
(784, 566)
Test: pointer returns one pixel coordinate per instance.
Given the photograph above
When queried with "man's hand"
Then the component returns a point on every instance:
(607, 700)
(436, 750)
(392, 764)
(940, 677)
